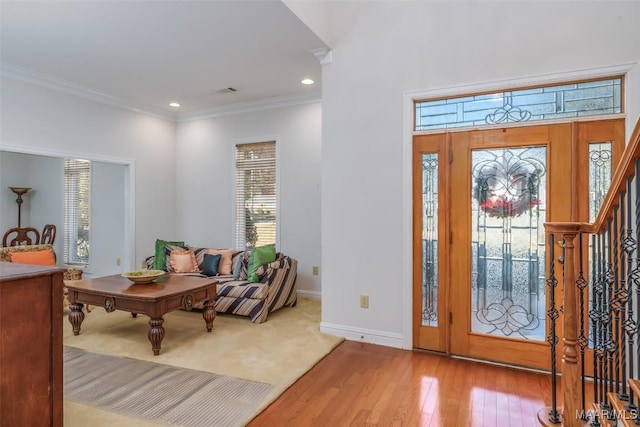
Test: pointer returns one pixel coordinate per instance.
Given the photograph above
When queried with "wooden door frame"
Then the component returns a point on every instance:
(442, 142)
(405, 339)
(582, 133)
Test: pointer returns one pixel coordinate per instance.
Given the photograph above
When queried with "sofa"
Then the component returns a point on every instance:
(275, 288)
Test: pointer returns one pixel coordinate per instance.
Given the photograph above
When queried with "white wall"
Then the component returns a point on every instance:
(43, 204)
(205, 180)
(396, 47)
(36, 119)
(108, 215)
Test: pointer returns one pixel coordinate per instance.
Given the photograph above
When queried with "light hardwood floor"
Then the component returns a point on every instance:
(369, 385)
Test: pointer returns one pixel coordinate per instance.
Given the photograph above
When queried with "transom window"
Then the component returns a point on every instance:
(576, 99)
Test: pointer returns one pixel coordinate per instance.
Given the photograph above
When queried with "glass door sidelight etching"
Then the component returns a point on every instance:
(507, 242)
(600, 167)
(430, 246)
(430, 239)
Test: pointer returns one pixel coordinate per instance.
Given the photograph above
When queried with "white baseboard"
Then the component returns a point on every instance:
(309, 294)
(363, 335)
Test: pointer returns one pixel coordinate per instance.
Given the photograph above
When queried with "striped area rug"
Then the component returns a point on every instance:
(165, 394)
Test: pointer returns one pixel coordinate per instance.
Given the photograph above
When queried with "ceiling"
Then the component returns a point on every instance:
(146, 54)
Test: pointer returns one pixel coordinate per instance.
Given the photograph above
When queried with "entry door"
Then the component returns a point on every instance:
(479, 209)
(508, 183)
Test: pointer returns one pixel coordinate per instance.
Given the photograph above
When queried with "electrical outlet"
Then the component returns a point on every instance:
(118, 262)
(315, 270)
(364, 301)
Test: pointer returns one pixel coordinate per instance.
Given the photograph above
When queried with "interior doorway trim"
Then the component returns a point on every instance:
(129, 196)
(409, 97)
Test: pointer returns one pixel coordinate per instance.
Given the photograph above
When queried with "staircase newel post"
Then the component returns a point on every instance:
(570, 366)
(572, 410)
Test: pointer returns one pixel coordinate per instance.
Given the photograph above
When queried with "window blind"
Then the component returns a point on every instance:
(77, 192)
(256, 194)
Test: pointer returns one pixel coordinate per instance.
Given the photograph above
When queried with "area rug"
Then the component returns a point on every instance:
(276, 352)
(162, 393)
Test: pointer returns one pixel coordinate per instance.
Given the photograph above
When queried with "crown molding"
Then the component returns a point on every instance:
(250, 106)
(29, 76)
(323, 55)
(44, 80)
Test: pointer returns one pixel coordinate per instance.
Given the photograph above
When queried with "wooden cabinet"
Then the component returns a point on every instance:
(31, 380)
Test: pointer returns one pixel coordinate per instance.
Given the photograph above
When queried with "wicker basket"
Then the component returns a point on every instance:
(72, 274)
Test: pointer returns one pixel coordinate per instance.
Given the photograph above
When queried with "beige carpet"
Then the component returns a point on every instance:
(276, 352)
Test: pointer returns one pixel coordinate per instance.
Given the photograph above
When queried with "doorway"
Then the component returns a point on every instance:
(480, 201)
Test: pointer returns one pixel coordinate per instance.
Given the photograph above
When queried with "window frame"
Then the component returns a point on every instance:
(508, 89)
(236, 235)
(69, 225)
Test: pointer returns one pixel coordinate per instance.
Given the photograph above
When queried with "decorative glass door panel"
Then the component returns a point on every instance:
(430, 239)
(507, 242)
(600, 169)
(510, 182)
(430, 245)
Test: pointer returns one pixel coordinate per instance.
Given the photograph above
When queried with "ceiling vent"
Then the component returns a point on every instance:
(226, 90)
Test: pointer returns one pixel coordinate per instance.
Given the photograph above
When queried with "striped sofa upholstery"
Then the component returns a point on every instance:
(276, 288)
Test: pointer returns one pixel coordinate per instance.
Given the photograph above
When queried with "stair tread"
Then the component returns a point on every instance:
(623, 415)
(543, 418)
(635, 386)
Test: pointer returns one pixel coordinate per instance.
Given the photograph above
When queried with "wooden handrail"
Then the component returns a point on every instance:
(624, 170)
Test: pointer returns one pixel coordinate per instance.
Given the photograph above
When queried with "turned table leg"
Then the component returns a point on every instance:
(156, 334)
(76, 317)
(209, 314)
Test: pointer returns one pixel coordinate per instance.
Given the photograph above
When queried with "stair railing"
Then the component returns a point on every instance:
(600, 306)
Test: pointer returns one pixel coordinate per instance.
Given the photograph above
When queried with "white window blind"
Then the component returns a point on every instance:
(256, 194)
(77, 221)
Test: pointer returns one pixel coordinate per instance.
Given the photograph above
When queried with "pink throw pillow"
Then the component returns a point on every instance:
(183, 262)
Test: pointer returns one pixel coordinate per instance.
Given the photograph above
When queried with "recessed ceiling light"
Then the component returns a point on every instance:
(307, 82)
(174, 104)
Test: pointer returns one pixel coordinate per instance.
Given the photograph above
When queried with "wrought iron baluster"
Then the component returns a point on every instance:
(608, 297)
(596, 271)
(631, 245)
(633, 329)
(552, 338)
(614, 354)
(600, 319)
(603, 317)
(627, 245)
(583, 341)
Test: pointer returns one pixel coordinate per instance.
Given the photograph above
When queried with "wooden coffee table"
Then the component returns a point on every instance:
(168, 293)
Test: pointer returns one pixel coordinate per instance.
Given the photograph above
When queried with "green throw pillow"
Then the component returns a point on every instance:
(160, 261)
(259, 256)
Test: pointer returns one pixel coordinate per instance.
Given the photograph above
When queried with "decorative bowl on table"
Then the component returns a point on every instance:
(143, 276)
